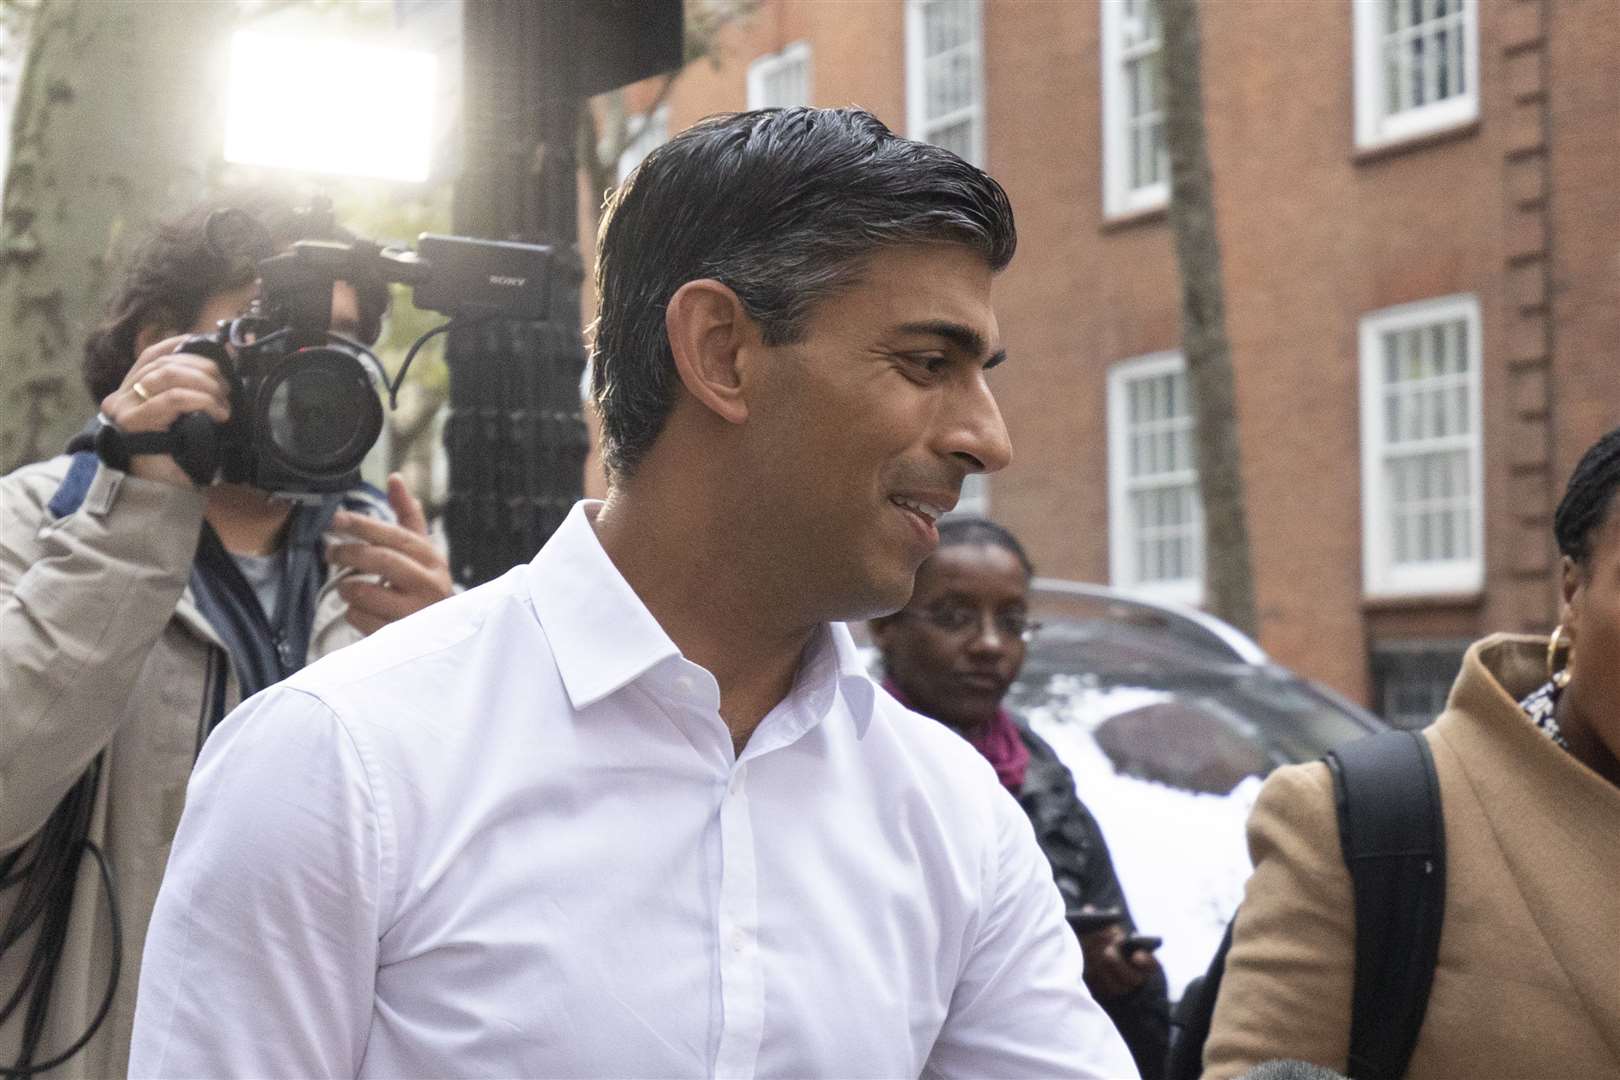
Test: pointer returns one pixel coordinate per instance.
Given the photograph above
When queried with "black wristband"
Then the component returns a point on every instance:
(115, 447)
(193, 443)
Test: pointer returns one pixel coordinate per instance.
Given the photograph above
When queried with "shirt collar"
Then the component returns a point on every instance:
(860, 692)
(604, 638)
(602, 635)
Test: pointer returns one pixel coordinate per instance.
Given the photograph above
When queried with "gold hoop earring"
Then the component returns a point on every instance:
(1560, 657)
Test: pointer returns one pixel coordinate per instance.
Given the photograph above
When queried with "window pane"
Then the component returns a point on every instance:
(950, 64)
(650, 132)
(1162, 490)
(957, 138)
(1424, 55)
(1137, 113)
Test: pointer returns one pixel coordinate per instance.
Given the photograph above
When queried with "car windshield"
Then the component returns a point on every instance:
(1169, 729)
(1169, 720)
(1254, 717)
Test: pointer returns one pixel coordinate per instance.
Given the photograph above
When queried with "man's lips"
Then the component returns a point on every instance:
(930, 508)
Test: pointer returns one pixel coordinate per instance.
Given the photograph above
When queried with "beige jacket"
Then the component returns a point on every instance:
(1528, 979)
(102, 649)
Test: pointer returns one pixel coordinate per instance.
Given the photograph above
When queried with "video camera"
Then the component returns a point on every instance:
(305, 406)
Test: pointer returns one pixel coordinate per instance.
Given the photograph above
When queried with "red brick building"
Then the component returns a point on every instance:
(1421, 230)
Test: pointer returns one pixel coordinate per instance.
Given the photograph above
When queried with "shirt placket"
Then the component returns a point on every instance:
(742, 986)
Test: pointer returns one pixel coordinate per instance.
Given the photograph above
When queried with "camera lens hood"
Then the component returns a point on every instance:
(315, 414)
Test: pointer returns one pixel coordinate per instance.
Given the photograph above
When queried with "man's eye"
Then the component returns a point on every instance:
(933, 363)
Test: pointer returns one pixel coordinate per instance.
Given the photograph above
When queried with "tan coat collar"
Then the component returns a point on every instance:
(1556, 822)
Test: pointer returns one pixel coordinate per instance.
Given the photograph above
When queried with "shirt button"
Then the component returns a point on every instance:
(684, 684)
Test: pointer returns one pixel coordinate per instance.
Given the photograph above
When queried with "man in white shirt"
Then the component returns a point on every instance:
(636, 809)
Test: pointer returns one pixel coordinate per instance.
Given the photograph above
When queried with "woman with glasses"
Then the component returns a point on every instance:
(951, 654)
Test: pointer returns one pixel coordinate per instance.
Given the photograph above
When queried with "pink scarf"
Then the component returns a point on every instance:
(998, 741)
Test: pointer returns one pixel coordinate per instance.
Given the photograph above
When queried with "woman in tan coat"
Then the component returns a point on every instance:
(1528, 755)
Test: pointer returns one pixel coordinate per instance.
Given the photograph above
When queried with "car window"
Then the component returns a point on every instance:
(1168, 746)
(1168, 731)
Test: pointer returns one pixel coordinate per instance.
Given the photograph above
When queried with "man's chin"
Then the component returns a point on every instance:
(877, 597)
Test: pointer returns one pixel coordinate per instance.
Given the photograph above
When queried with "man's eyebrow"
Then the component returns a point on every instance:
(963, 337)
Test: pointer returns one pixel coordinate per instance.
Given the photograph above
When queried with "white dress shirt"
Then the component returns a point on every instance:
(508, 836)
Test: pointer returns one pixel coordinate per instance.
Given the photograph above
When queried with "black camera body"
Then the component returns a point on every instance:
(305, 402)
(305, 408)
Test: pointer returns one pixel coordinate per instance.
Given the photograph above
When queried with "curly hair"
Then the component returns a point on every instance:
(172, 275)
(1585, 505)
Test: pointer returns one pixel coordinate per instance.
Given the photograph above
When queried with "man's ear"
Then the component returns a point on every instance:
(708, 327)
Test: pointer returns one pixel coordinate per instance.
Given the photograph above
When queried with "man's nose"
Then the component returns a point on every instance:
(975, 434)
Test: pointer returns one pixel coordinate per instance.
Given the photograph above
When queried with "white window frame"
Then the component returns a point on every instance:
(1122, 569)
(1376, 127)
(631, 155)
(918, 125)
(765, 66)
(1382, 577)
(1119, 198)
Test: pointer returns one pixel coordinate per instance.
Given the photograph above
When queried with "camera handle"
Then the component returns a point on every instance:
(192, 440)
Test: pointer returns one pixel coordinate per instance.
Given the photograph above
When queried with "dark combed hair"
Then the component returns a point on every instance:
(1585, 505)
(970, 531)
(172, 275)
(784, 207)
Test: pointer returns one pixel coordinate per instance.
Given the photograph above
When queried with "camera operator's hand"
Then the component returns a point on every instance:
(410, 571)
(162, 386)
(1109, 972)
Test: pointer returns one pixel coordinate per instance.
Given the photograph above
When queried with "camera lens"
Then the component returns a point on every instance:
(320, 412)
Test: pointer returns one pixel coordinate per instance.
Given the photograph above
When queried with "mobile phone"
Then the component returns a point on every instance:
(1140, 943)
(1086, 920)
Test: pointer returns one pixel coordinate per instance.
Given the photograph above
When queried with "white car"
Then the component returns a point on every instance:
(1169, 720)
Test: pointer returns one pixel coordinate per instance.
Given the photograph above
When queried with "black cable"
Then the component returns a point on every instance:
(45, 898)
(112, 979)
(399, 380)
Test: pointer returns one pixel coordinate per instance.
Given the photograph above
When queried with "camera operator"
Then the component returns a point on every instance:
(136, 609)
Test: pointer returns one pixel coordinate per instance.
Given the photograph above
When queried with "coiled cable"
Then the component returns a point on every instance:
(45, 884)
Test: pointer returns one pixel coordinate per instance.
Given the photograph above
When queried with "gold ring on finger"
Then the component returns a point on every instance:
(141, 391)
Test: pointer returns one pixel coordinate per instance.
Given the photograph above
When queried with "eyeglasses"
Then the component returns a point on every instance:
(958, 620)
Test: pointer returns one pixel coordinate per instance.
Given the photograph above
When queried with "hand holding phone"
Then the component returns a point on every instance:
(1140, 943)
(1088, 920)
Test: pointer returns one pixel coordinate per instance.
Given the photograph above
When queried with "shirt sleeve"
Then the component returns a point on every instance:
(1020, 1007)
(261, 956)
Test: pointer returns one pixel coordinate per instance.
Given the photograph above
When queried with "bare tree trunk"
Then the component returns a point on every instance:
(1228, 577)
(116, 124)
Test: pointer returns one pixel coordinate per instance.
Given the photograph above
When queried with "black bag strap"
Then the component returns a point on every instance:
(1190, 1022)
(1393, 837)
